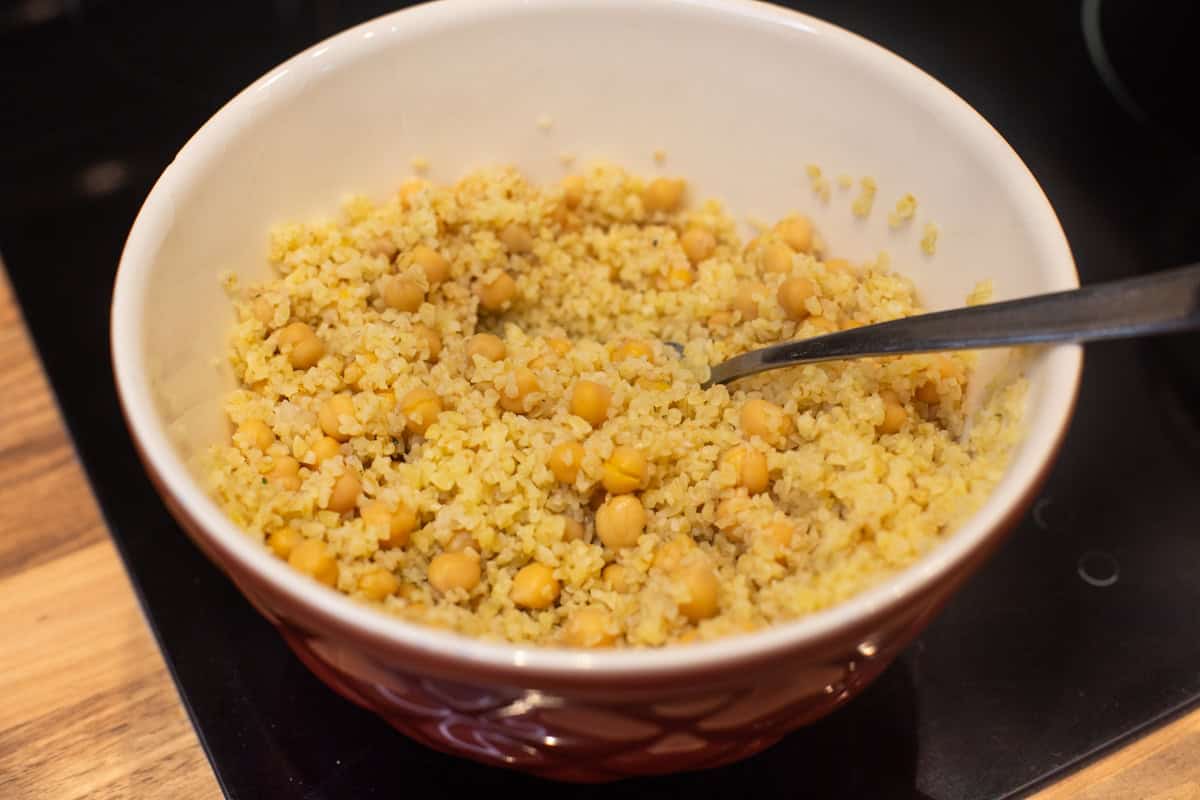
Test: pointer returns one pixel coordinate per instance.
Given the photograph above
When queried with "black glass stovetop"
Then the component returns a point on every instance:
(1080, 633)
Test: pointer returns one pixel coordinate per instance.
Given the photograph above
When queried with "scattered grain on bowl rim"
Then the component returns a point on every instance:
(475, 476)
(929, 238)
(905, 208)
(866, 197)
(821, 185)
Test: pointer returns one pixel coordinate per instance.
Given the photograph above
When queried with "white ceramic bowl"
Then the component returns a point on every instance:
(741, 96)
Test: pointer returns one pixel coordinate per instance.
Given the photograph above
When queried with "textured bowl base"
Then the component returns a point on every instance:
(567, 739)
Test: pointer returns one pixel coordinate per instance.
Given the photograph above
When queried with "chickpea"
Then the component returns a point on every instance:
(535, 587)
(777, 257)
(633, 349)
(894, 413)
(669, 554)
(448, 571)
(590, 401)
(313, 559)
(429, 340)
(679, 278)
(624, 471)
(928, 393)
(750, 466)
(397, 525)
(515, 389)
(286, 473)
(546, 359)
(262, 310)
(947, 367)
(283, 541)
(745, 302)
(409, 190)
(305, 347)
(573, 187)
(323, 450)
(617, 577)
(698, 244)
(421, 408)
(793, 297)
(402, 294)
(564, 462)
(378, 584)
(381, 247)
(346, 490)
(590, 627)
(663, 194)
(797, 232)
(620, 521)
(256, 433)
(700, 584)
(516, 238)
(376, 516)
(557, 350)
(436, 267)
(729, 512)
(352, 374)
(497, 293)
(720, 319)
(778, 535)
(562, 217)
(331, 413)
(572, 530)
(290, 335)
(766, 420)
(486, 345)
(839, 265)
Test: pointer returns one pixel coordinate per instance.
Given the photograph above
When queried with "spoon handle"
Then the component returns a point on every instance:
(1163, 302)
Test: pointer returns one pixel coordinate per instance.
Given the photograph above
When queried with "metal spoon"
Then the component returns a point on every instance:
(1163, 302)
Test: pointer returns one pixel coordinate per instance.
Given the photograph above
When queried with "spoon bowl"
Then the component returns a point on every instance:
(1163, 302)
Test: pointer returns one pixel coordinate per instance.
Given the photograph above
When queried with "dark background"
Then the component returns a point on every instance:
(1081, 631)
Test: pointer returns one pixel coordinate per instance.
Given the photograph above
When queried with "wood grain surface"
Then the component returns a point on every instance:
(87, 709)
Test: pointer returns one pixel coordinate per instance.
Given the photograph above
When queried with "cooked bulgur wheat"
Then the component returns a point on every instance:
(457, 480)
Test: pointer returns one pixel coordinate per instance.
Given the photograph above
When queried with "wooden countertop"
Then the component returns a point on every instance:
(87, 708)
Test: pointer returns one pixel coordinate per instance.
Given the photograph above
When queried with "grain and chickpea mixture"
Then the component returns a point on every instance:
(457, 405)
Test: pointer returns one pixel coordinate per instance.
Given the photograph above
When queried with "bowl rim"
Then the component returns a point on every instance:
(1062, 370)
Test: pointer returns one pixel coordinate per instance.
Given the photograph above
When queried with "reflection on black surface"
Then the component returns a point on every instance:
(1145, 53)
(1028, 670)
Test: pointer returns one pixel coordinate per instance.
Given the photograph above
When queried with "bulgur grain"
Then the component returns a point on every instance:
(662, 513)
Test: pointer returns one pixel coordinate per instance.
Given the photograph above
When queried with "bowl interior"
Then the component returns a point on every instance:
(741, 97)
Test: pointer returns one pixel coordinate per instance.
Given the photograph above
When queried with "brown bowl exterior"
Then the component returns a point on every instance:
(592, 726)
